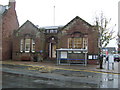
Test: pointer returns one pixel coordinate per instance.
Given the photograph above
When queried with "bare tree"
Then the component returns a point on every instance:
(105, 34)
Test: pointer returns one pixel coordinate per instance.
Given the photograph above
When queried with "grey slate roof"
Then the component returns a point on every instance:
(52, 27)
(3, 8)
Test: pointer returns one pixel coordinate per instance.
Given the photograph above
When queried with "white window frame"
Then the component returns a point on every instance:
(85, 43)
(26, 44)
(33, 43)
(51, 31)
(69, 39)
(21, 45)
(76, 43)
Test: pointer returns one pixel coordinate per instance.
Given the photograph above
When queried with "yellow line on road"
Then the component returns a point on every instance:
(65, 69)
(88, 71)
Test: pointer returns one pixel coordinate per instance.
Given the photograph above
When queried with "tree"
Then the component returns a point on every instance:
(105, 34)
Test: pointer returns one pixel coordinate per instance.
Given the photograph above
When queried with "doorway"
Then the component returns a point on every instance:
(52, 50)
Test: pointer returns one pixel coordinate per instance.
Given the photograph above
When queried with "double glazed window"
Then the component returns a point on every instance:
(27, 45)
(77, 43)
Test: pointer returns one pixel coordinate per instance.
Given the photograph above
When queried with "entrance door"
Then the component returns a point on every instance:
(53, 51)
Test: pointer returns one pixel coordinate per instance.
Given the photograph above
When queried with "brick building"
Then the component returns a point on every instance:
(30, 41)
(8, 23)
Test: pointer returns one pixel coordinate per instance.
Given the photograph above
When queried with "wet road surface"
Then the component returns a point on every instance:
(20, 77)
(24, 81)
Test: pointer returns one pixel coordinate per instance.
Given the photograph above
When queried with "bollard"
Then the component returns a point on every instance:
(108, 64)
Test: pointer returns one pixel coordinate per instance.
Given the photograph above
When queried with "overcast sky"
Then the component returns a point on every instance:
(41, 12)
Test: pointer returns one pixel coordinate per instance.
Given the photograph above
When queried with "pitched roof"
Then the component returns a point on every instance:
(25, 24)
(77, 17)
(3, 9)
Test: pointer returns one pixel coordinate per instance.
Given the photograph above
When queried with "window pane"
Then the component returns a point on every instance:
(27, 45)
(55, 31)
(77, 42)
(69, 42)
(21, 45)
(85, 43)
(51, 31)
(47, 31)
(33, 46)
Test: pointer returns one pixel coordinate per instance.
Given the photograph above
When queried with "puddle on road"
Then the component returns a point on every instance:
(109, 81)
(24, 81)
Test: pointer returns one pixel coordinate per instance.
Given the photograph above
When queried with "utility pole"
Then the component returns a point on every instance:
(54, 13)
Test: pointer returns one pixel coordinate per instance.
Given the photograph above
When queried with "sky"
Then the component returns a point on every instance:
(41, 12)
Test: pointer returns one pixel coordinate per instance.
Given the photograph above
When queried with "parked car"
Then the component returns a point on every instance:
(117, 57)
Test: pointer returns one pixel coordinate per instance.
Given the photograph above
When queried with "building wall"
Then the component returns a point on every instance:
(9, 24)
(80, 26)
(32, 32)
(47, 42)
(92, 41)
(87, 31)
(77, 27)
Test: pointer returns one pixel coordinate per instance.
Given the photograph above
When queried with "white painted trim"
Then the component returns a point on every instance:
(50, 50)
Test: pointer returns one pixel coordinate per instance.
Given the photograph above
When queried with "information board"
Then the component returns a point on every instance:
(63, 54)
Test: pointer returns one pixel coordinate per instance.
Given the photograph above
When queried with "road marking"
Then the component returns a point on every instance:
(53, 68)
(88, 71)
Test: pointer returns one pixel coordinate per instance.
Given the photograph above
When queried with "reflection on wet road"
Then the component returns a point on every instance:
(68, 79)
(109, 81)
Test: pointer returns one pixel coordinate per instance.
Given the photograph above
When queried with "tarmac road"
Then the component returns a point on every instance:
(10, 81)
(21, 77)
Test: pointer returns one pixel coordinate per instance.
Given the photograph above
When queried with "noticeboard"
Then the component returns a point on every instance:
(63, 54)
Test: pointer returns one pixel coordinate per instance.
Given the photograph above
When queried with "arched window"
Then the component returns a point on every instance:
(27, 45)
(77, 42)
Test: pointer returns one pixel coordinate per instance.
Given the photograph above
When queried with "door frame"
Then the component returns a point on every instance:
(52, 50)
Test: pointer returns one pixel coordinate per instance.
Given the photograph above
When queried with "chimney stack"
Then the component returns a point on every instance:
(12, 4)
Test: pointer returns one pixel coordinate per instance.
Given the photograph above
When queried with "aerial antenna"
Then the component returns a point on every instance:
(54, 13)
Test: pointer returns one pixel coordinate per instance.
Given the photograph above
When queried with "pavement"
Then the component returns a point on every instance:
(50, 66)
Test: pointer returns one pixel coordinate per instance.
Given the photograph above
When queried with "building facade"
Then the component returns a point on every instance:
(30, 41)
(8, 23)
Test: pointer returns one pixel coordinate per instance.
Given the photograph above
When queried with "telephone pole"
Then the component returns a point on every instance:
(54, 13)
